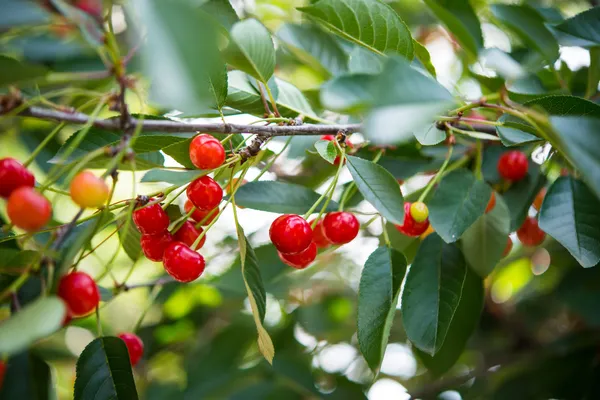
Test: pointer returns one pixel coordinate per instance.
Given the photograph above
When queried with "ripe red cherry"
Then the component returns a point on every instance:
(13, 175)
(319, 237)
(135, 347)
(300, 260)
(513, 165)
(183, 263)
(205, 193)
(539, 199)
(340, 227)
(508, 248)
(80, 292)
(154, 246)
(151, 220)
(2, 372)
(410, 227)
(188, 234)
(68, 317)
(530, 233)
(206, 152)
(92, 7)
(200, 215)
(87, 190)
(28, 209)
(491, 204)
(291, 234)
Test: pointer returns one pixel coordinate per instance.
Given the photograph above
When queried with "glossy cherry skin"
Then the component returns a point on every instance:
(205, 193)
(319, 237)
(300, 260)
(188, 234)
(410, 227)
(80, 292)
(2, 372)
(13, 175)
(508, 248)
(153, 246)
(290, 234)
(539, 199)
(201, 215)
(151, 220)
(530, 233)
(135, 347)
(89, 191)
(28, 209)
(206, 152)
(340, 227)
(183, 263)
(513, 165)
(491, 203)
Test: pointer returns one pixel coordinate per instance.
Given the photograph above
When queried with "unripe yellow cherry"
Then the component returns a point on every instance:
(419, 211)
(89, 191)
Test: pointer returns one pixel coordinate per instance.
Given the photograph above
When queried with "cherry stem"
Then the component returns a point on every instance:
(437, 177)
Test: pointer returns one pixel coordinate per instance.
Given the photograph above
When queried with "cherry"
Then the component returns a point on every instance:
(135, 346)
(513, 165)
(183, 263)
(409, 226)
(89, 191)
(2, 372)
(188, 234)
(427, 232)
(206, 152)
(200, 215)
(331, 138)
(205, 193)
(491, 203)
(13, 175)
(151, 220)
(539, 199)
(340, 227)
(80, 292)
(91, 7)
(28, 209)
(154, 246)
(508, 248)
(419, 211)
(530, 233)
(319, 237)
(68, 317)
(291, 234)
(300, 260)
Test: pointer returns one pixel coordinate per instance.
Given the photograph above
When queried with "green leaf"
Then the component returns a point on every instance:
(513, 132)
(562, 105)
(251, 49)
(522, 193)
(181, 43)
(222, 11)
(27, 377)
(434, 286)
(461, 20)
(593, 72)
(129, 236)
(430, 135)
(526, 23)
(379, 188)
(570, 214)
(104, 371)
(348, 93)
(502, 63)
(12, 71)
(327, 150)
(314, 47)
(377, 300)
(278, 197)
(406, 101)
(457, 203)
(423, 57)
(32, 323)
(462, 326)
(579, 136)
(386, 32)
(172, 177)
(484, 242)
(363, 61)
(585, 25)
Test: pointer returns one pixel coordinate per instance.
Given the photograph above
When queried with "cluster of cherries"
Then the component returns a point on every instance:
(297, 243)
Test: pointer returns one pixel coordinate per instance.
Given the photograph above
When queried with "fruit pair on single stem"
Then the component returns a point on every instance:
(416, 219)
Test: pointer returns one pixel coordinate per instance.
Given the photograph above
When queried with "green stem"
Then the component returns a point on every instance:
(329, 189)
(272, 160)
(272, 100)
(43, 144)
(437, 177)
(386, 237)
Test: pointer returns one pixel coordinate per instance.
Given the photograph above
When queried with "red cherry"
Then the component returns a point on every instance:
(513, 165)
(291, 234)
(151, 220)
(80, 292)
(206, 152)
(539, 199)
(319, 237)
(154, 246)
(28, 209)
(491, 204)
(68, 317)
(188, 234)
(135, 347)
(410, 227)
(205, 193)
(13, 175)
(300, 260)
(92, 7)
(340, 227)
(2, 372)
(200, 215)
(530, 233)
(183, 263)
(329, 138)
(508, 248)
